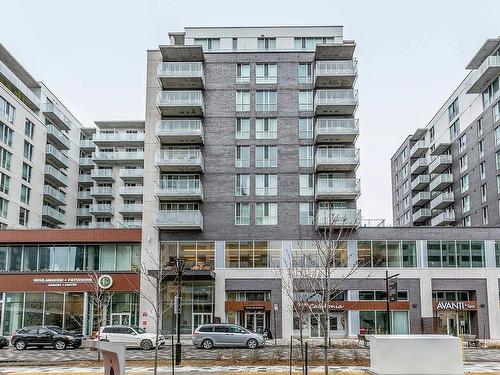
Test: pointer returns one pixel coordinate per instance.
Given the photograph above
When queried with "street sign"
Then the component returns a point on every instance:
(393, 289)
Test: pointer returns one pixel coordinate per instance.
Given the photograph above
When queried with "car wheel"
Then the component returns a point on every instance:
(252, 344)
(207, 344)
(20, 345)
(146, 345)
(59, 345)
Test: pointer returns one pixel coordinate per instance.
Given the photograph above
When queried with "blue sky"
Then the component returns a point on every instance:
(412, 54)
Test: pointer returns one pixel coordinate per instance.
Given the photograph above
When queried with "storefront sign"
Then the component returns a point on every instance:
(66, 281)
(355, 305)
(105, 281)
(455, 305)
(254, 308)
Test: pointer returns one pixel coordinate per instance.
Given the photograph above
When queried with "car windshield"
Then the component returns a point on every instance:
(139, 330)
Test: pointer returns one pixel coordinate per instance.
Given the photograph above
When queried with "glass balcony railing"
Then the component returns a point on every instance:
(117, 155)
(336, 97)
(33, 99)
(336, 68)
(338, 217)
(180, 69)
(179, 219)
(83, 211)
(179, 188)
(334, 155)
(56, 175)
(446, 217)
(101, 191)
(101, 208)
(176, 157)
(337, 186)
(58, 137)
(130, 224)
(56, 156)
(53, 215)
(54, 194)
(106, 174)
(132, 208)
(180, 98)
(179, 128)
(56, 115)
(131, 190)
(118, 137)
(137, 173)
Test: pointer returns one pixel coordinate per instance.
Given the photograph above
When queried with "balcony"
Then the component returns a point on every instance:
(421, 215)
(178, 160)
(101, 225)
(338, 217)
(85, 180)
(179, 190)
(420, 182)
(54, 196)
(102, 192)
(421, 198)
(87, 145)
(181, 52)
(335, 74)
(178, 220)
(336, 102)
(84, 196)
(55, 177)
(181, 75)
(337, 188)
(131, 191)
(335, 51)
(132, 175)
(131, 209)
(129, 224)
(102, 175)
(440, 163)
(337, 159)
(101, 209)
(441, 182)
(52, 215)
(180, 103)
(444, 218)
(83, 212)
(118, 139)
(57, 138)
(56, 157)
(332, 130)
(56, 116)
(419, 149)
(118, 157)
(483, 76)
(442, 201)
(419, 166)
(86, 163)
(180, 131)
(26, 93)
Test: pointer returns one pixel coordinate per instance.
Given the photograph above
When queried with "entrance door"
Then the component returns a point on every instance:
(255, 321)
(120, 319)
(201, 318)
(317, 329)
(449, 323)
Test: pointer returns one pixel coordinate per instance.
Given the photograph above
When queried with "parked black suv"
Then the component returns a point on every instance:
(3, 342)
(41, 336)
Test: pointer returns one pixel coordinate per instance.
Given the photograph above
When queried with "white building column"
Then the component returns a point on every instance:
(220, 282)
(426, 295)
(493, 305)
(352, 315)
(286, 300)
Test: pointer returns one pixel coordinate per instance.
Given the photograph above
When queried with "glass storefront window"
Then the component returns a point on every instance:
(340, 252)
(205, 254)
(260, 255)
(107, 258)
(3, 258)
(375, 322)
(61, 258)
(124, 309)
(30, 258)
(197, 255)
(13, 312)
(76, 258)
(33, 310)
(92, 258)
(434, 253)
(497, 253)
(379, 254)
(231, 254)
(73, 312)
(393, 254)
(409, 250)
(135, 263)
(54, 309)
(246, 252)
(16, 256)
(463, 254)
(253, 254)
(364, 254)
(123, 257)
(448, 255)
(477, 254)
(187, 251)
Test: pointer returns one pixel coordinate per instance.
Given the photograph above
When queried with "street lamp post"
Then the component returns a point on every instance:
(179, 268)
(390, 285)
(275, 309)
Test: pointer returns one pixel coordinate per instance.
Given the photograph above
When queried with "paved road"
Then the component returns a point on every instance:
(46, 355)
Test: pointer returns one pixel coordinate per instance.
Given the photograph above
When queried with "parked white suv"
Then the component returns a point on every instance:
(131, 336)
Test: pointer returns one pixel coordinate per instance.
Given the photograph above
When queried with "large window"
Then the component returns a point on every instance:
(242, 101)
(197, 255)
(242, 185)
(242, 156)
(7, 111)
(306, 100)
(266, 101)
(309, 43)
(5, 158)
(6, 134)
(311, 254)
(387, 254)
(266, 213)
(266, 184)
(305, 73)
(306, 128)
(266, 43)
(451, 254)
(266, 74)
(266, 128)
(306, 156)
(306, 213)
(208, 43)
(242, 128)
(497, 254)
(243, 73)
(252, 254)
(266, 156)
(375, 322)
(306, 184)
(242, 214)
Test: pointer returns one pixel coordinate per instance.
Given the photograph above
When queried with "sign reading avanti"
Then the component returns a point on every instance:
(455, 305)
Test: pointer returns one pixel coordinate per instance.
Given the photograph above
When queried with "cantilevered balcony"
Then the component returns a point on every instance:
(442, 200)
(440, 163)
(22, 90)
(118, 157)
(181, 52)
(332, 130)
(419, 166)
(129, 224)
(83, 212)
(53, 216)
(335, 51)
(179, 190)
(179, 160)
(56, 157)
(421, 215)
(131, 191)
(87, 145)
(86, 163)
(57, 137)
(85, 180)
(421, 198)
(420, 182)
(483, 76)
(441, 182)
(419, 149)
(54, 196)
(132, 175)
(101, 225)
(336, 102)
(338, 217)
(102, 192)
(181, 103)
(101, 209)
(337, 159)
(56, 116)
(444, 218)
(120, 139)
(55, 177)
(189, 131)
(335, 74)
(102, 175)
(178, 220)
(131, 209)
(337, 188)
(181, 75)
(84, 196)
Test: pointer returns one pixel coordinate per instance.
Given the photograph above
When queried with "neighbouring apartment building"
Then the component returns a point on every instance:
(448, 172)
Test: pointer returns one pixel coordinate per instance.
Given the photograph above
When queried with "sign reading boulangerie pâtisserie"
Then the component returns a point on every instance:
(455, 305)
(62, 281)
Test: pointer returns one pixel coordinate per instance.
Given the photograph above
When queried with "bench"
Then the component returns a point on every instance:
(471, 340)
(364, 340)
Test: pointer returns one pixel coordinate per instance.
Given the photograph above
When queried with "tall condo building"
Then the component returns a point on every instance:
(448, 173)
(250, 135)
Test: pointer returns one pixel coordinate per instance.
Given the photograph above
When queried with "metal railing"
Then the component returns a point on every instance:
(101, 190)
(336, 97)
(129, 224)
(423, 213)
(87, 143)
(101, 208)
(337, 185)
(56, 194)
(180, 69)
(130, 190)
(445, 178)
(83, 211)
(83, 195)
(118, 137)
(101, 173)
(337, 126)
(132, 173)
(53, 213)
(54, 172)
(443, 217)
(86, 161)
(131, 207)
(178, 218)
(337, 155)
(51, 108)
(336, 68)
(51, 150)
(180, 98)
(438, 160)
(176, 156)
(179, 127)
(338, 217)
(14, 80)
(490, 61)
(118, 155)
(179, 187)
(53, 130)
(83, 178)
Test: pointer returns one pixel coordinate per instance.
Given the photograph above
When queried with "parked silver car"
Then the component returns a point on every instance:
(208, 336)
